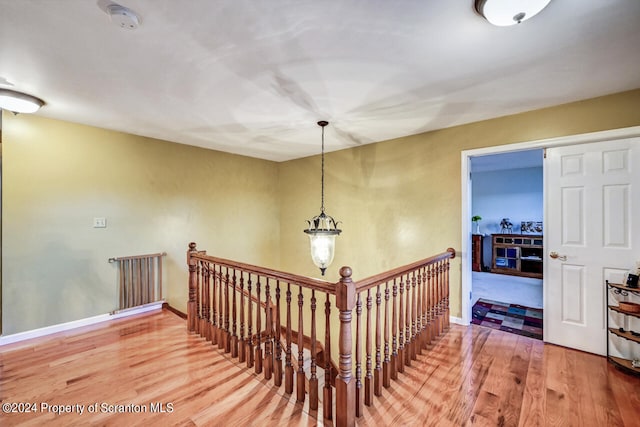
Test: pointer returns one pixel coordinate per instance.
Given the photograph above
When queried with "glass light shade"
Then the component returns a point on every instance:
(322, 249)
(509, 12)
(322, 232)
(19, 102)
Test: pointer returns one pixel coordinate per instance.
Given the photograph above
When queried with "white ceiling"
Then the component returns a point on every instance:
(254, 77)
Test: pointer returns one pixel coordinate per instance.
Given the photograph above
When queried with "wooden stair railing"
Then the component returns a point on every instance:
(232, 305)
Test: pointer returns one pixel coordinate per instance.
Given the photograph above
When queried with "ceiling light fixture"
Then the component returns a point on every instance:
(19, 102)
(509, 12)
(323, 229)
(123, 17)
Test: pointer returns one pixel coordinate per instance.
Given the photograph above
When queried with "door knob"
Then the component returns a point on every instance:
(555, 255)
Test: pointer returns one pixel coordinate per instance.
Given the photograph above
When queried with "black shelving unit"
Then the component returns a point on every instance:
(615, 331)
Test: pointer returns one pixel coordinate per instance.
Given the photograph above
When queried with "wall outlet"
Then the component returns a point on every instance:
(99, 222)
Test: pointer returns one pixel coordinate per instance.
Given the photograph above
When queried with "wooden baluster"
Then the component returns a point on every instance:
(447, 290)
(288, 370)
(268, 338)
(441, 308)
(407, 325)
(345, 384)
(445, 293)
(192, 304)
(204, 323)
(214, 311)
(313, 381)
(242, 346)
(249, 325)
(234, 311)
(359, 394)
(432, 317)
(300, 377)
(401, 349)
(394, 333)
(220, 308)
(201, 300)
(227, 306)
(419, 332)
(277, 368)
(438, 273)
(198, 293)
(258, 356)
(386, 364)
(368, 380)
(206, 284)
(327, 401)
(414, 317)
(378, 369)
(425, 308)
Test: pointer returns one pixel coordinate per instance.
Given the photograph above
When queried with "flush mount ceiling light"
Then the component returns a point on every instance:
(19, 102)
(509, 12)
(323, 229)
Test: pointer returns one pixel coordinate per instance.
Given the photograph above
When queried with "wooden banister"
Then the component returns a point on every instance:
(372, 281)
(398, 314)
(305, 282)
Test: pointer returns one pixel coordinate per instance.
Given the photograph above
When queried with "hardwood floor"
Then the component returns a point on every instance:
(472, 376)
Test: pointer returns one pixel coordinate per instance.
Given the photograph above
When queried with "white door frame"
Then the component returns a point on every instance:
(466, 155)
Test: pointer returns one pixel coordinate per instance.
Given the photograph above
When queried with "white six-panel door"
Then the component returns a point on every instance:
(592, 234)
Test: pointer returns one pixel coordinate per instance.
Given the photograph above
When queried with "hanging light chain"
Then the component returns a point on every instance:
(322, 124)
(322, 179)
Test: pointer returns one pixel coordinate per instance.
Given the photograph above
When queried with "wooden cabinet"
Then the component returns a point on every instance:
(517, 254)
(476, 252)
(623, 325)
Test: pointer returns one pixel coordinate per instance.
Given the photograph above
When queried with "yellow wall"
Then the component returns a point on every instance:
(400, 200)
(157, 196)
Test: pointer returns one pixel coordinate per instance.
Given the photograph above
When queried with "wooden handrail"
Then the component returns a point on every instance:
(304, 281)
(372, 281)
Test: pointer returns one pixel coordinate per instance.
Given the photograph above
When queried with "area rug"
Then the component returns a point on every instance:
(513, 318)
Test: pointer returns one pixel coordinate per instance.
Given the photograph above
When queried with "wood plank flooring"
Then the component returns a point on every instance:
(471, 376)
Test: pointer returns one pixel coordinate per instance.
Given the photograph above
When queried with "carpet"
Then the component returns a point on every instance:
(513, 318)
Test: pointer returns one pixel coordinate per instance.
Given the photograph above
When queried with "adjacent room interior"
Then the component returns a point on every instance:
(507, 256)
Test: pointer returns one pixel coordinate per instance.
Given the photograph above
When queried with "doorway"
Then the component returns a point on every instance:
(507, 260)
(467, 213)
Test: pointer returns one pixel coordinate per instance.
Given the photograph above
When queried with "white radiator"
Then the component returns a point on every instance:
(140, 279)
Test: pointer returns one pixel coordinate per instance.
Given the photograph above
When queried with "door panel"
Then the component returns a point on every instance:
(616, 216)
(573, 291)
(592, 204)
(572, 216)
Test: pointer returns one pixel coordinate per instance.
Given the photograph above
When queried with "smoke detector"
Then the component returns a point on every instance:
(123, 17)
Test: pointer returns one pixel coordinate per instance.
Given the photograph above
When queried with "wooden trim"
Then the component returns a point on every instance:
(166, 306)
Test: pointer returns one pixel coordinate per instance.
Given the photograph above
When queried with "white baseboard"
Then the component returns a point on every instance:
(457, 321)
(48, 330)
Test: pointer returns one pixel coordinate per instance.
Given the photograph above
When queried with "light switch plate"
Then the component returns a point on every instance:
(99, 222)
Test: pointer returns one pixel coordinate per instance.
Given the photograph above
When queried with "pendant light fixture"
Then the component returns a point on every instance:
(18, 102)
(509, 12)
(323, 229)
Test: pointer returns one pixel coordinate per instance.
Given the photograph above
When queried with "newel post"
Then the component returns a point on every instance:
(345, 382)
(191, 305)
